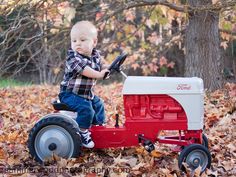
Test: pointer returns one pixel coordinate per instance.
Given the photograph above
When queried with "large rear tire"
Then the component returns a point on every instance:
(54, 135)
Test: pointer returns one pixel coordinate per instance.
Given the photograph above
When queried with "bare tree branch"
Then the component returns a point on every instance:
(220, 6)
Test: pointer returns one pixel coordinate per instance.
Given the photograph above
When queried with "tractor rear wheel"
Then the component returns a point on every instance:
(54, 135)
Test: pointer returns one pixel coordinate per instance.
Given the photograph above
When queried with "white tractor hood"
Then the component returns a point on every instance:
(162, 85)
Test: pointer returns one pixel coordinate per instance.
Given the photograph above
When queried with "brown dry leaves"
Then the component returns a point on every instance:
(220, 123)
(21, 107)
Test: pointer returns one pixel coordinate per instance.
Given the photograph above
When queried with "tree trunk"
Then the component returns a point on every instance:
(202, 44)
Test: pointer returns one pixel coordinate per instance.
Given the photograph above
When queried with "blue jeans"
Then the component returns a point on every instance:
(89, 111)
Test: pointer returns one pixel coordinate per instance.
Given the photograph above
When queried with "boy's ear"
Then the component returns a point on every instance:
(95, 41)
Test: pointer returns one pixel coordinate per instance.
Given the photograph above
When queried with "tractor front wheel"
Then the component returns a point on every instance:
(195, 155)
(205, 141)
(54, 135)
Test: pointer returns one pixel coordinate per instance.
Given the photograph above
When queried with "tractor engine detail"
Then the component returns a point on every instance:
(161, 107)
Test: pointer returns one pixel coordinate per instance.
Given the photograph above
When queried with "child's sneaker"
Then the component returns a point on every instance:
(86, 139)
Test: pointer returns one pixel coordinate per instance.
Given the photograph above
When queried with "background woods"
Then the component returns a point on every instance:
(174, 38)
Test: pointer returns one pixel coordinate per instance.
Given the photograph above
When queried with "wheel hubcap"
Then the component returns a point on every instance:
(196, 158)
(53, 139)
(196, 162)
(52, 146)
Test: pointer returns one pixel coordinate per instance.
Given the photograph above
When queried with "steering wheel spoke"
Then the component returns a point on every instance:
(116, 65)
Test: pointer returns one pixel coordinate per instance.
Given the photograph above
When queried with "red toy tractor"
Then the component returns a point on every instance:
(151, 105)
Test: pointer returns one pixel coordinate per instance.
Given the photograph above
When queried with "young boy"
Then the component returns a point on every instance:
(83, 68)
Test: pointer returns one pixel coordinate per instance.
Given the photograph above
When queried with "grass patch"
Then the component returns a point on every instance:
(12, 83)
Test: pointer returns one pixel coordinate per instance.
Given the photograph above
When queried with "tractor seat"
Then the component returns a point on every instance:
(57, 105)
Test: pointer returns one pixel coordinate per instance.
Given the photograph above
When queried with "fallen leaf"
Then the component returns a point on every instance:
(2, 154)
(118, 160)
(155, 153)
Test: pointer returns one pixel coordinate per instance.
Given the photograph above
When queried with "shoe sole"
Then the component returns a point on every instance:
(90, 147)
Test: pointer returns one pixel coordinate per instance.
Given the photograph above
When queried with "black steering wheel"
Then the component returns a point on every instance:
(115, 65)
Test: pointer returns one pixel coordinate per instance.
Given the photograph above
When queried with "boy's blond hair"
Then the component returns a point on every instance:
(85, 25)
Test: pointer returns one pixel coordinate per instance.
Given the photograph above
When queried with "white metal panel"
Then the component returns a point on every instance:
(70, 114)
(162, 85)
(193, 107)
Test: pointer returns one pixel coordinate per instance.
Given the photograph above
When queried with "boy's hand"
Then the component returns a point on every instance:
(103, 72)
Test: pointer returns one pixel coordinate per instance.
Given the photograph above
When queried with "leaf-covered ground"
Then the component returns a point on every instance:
(21, 107)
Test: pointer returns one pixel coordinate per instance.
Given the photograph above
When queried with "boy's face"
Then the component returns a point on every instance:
(83, 40)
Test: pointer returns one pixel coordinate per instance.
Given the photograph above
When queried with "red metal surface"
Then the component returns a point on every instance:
(184, 138)
(146, 115)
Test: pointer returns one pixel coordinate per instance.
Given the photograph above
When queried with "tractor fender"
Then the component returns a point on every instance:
(68, 118)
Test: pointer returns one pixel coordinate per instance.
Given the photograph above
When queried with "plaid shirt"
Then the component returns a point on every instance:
(73, 80)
